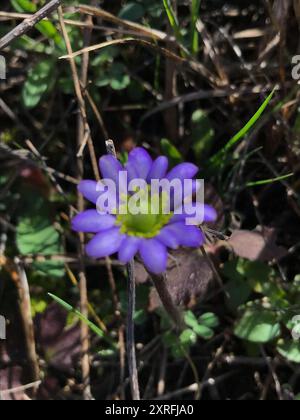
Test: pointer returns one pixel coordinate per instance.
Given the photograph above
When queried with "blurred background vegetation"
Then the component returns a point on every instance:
(181, 78)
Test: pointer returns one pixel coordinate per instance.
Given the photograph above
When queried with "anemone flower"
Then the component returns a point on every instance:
(147, 234)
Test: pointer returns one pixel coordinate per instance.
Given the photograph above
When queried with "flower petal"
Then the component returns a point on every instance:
(167, 237)
(139, 160)
(210, 214)
(91, 221)
(202, 213)
(159, 168)
(154, 255)
(105, 243)
(89, 190)
(192, 237)
(110, 168)
(180, 234)
(129, 248)
(183, 171)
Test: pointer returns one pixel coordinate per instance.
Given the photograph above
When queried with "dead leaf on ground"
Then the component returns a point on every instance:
(60, 344)
(256, 246)
(189, 278)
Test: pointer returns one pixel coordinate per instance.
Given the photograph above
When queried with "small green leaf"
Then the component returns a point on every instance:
(39, 81)
(238, 289)
(202, 134)
(170, 339)
(36, 235)
(24, 6)
(132, 11)
(140, 317)
(171, 152)
(190, 319)
(45, 27)
(188, 337)
(209, 319)
(290, 350)
(203, 331)
(258, 326)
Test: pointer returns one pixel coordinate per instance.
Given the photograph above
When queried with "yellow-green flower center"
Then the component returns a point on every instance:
(147, 223)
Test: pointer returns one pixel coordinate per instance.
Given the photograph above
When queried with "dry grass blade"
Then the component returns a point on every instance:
(164, 51)
(139, 29)
(194, 65)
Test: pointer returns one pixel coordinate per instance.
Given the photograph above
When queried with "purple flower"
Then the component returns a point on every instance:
(147, 233)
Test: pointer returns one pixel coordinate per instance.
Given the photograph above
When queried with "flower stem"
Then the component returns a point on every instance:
(166, 299)
(131, 355)
(130, 333)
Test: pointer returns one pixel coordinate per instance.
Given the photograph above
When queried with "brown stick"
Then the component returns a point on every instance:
(29, 23)
(85, 363)
(83, 131)
(18, 275)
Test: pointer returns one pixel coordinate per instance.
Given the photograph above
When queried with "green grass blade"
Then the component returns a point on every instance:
(90, 324)
(269, 181)
(195, 6)
(242, 133)
(172, 19)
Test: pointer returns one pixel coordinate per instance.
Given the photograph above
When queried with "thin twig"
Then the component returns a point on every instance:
(7, 392)
(29, 23)
(87, 140)
(83, 131)
(19, 277)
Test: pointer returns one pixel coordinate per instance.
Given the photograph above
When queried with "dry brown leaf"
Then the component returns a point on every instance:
(256, 246)
(189, 277)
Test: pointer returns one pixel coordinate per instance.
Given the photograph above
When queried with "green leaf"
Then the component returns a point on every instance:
(203, 331)
(115, 76)
(38, 306)
(140, 317)
(290, 350)
(37, 235)
(188, 337)
(132, 11)
(39, 81)
(45, 27)
(100, 333)
(209, 319)
(202, 134)
(216, 159)
(173, 20)
(238, 289)
(258, 326)
(190, 319)
(24, 6)
(119, 78)
(171, 152)
(195, 6)
(170, 339)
